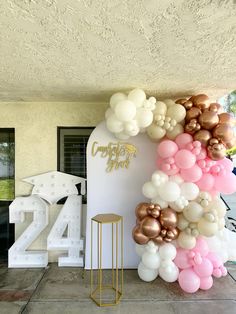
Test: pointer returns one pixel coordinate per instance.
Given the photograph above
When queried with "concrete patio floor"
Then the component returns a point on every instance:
(63, 290)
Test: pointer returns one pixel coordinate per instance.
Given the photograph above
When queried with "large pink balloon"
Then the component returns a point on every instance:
(206, 182)
(226, 184)
(167, 149)
(189, 281)
(181, 260)
(205, 269)
(206, 283)
(226, 163)
(182, 140)
(192, 174)
(184, 159)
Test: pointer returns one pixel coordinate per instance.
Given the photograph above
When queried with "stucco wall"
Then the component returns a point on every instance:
(36, 142)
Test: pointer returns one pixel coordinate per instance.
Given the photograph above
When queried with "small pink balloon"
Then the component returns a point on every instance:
(206, 182)
(215, 259)
(184, 159)
(192, 174)
(189, 280)
(206, 283)
(201, 247)
(217, 273)
(226, 184)
(205, 269)
(182, 260)
(167, 148)
(182, 140)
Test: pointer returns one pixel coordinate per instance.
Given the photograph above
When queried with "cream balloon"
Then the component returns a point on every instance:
(193, 212)
(161, 108)
(167, 251)
(137, 96)
(218, 205)
(186, 241)
(169, 102)
(140, 249)
(147, 274)
(125, 110)
(155, 132)
(109, 112)
(206, 228)
(116, 98)
(122, 136)
(178, 129)
(176, 112)
(131, 128)
(182, 222)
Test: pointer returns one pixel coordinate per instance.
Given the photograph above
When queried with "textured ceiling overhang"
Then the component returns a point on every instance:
(71, 50)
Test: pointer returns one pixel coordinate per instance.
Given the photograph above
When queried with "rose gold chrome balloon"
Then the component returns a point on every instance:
(181, 101)
(208, 119)
(202, 136)
(192, 113)
(168, 218)
(223, 132)
(201, 101)
(141, 210)
(227, 118)
(150, 227)
(139, 237)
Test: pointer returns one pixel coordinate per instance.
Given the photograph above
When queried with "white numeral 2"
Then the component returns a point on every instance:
(70, 218)
(17, 254)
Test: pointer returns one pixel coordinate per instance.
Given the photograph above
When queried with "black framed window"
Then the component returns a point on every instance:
(72, 144)
(7, 189)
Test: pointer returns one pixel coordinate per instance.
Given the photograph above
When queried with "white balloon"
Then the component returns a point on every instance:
(193, 212)
(114, 125)
(159, 177)
(147, 274)
(151, 260)
(131, 128)
(125, 110)
(169, 191)
(176, 178)
(189, 190)
(157, 200)
(149, 190)
(109, 112)
(115, 98)
(170, 273)
(137, 96)
(140, 249)
(167, 251)
(144, 117)
(122, 136)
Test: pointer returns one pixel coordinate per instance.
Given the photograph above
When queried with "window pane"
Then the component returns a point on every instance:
(72, 151)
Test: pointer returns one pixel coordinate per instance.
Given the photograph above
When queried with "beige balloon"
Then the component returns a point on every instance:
(176, 112)
(186, 241)
(206, 228)
(218, 205)
(178, 129)
(221, 223)
(169, 102)
(161, 108)
(182, 222)
(193, 212)
(155, 132)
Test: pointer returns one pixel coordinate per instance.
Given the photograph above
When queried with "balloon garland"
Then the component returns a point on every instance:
(185, 209)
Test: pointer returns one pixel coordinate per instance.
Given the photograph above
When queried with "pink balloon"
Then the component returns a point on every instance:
(206, 283)
(184, 159)
(182, 140)
(205, 269)
(206, 182)
(201, 247)
(181, 260)
(226, 184)
(192, 174)
(189, 281)
(215, 259)
(227, 164)
(167, 148)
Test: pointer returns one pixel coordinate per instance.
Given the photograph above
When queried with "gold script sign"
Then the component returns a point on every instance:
(118, 154)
